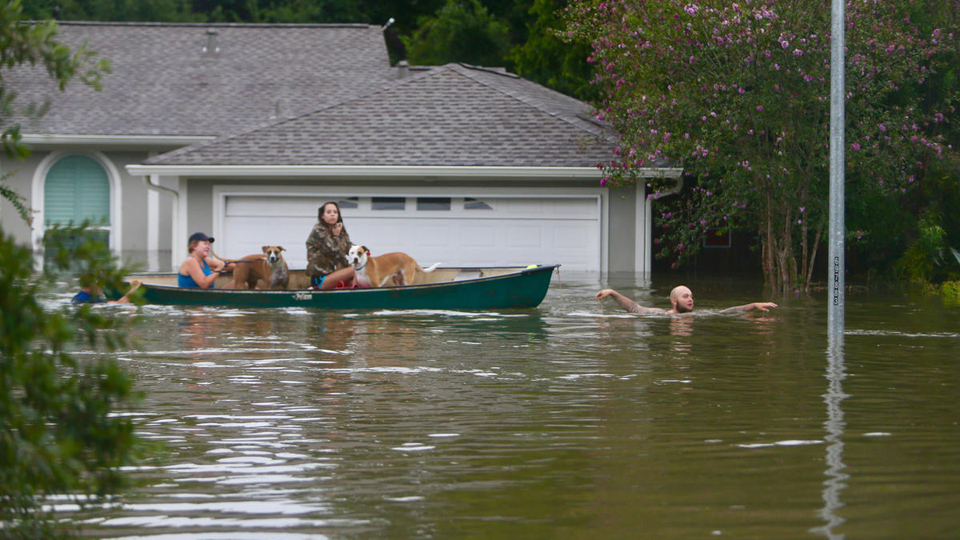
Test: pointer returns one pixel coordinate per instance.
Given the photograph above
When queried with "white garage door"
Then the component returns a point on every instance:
(455, 231)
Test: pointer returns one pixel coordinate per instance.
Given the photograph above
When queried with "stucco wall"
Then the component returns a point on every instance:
(622, 230)
(21, 174)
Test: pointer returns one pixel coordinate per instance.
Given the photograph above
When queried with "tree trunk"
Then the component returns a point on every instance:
(813, 258)
(769, 263)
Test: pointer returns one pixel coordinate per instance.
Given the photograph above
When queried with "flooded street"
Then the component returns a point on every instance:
(573, 420)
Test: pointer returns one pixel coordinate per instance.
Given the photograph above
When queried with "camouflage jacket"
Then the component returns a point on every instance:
(326, 252)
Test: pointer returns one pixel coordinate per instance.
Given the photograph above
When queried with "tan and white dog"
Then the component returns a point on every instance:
(269, 267)
(396, 268)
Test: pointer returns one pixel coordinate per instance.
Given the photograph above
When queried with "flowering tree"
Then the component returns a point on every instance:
(739, 95)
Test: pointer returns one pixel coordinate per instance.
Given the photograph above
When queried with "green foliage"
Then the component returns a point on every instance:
(58, 435)
(18, 201)
(547, 58)
(926, 254)
(738, 94)
(112, 10)
(58, 431)
(461, 31)
(950, 291)
(879, 229)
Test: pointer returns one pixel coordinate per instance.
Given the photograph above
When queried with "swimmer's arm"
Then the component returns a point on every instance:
(762, 306)
(626, 303)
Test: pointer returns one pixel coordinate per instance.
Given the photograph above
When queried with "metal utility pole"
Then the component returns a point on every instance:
(835, 317)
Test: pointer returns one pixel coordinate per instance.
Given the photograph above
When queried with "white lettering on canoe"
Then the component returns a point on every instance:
(302, 296)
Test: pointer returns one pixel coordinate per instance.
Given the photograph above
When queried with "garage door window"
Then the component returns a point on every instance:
(349, 203)
(433, 203)
(475, 204)
(388, 203)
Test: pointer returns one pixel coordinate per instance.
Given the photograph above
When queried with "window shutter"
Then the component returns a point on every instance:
(77, 189)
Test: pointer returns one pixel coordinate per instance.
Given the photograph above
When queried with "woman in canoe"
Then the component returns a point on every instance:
(327, 248)
(199, 270)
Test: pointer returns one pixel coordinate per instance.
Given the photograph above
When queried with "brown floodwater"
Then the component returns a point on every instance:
(567, 421)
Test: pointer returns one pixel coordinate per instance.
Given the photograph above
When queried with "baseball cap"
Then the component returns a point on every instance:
(200, 237)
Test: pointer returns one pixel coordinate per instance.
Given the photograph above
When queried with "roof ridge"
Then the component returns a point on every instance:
(216, 24)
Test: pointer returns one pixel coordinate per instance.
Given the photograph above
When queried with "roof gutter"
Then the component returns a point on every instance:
(175, 210)
(114, 140)
(383, 172)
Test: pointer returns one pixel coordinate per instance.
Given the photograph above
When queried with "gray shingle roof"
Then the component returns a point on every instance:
(454, 115)
(164, 84)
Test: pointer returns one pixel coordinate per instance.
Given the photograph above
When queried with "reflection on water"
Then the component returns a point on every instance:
(568, 421)
(836, 476)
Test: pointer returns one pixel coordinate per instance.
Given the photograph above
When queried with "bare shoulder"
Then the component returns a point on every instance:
(189, 264)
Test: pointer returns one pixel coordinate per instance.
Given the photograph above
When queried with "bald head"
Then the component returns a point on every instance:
(682, 299)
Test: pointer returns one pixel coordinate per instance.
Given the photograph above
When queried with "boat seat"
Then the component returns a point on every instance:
(468, 275)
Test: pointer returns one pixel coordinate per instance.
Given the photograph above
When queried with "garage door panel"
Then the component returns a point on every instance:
(524, 235)
(574, 236)
(434, 233)
(477, 236)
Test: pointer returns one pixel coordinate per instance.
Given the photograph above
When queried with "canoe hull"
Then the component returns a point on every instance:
(513, 289)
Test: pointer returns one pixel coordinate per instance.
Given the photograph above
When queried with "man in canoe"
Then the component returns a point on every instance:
(681, 298)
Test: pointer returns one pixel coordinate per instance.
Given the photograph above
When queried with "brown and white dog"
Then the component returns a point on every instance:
(396, 268)
(269, 267)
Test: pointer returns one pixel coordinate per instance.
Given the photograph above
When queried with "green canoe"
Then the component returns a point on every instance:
(473, 288)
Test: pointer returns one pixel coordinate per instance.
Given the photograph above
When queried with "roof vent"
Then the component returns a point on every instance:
(211, 49)
(404, 69)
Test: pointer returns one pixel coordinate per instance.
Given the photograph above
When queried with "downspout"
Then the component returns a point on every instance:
(644, 261)
(176, 213)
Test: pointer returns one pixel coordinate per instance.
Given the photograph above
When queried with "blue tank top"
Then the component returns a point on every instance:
(187, 282)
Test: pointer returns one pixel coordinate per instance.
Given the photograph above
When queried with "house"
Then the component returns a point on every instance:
(243, 131)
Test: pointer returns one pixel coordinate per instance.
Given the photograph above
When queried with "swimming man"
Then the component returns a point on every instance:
(681, 298)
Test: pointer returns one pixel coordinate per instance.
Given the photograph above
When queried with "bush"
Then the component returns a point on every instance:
(58, 431)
